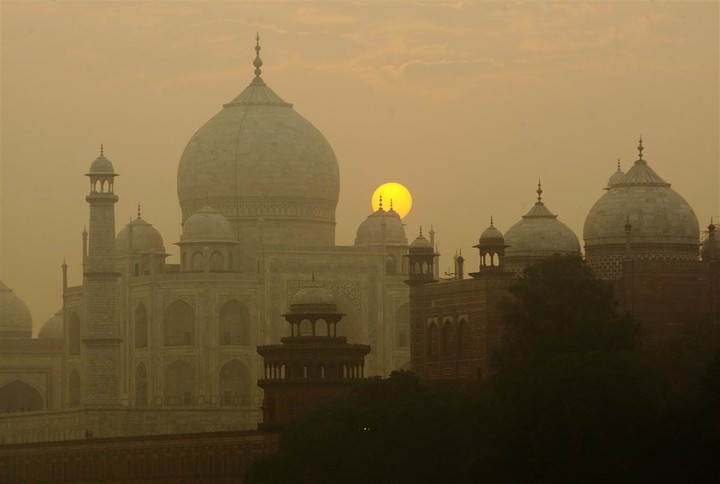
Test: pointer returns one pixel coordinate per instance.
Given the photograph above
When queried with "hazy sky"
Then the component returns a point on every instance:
(466, 103)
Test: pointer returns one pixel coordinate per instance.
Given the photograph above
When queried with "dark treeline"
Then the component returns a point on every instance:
(575, 398)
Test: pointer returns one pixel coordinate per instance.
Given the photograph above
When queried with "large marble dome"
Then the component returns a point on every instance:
(662, 223)
(267, 169)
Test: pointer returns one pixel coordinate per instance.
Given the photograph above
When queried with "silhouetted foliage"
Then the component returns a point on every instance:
(559, 307)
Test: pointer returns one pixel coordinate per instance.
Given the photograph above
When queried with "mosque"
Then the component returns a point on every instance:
(147, 346)
(641, 236)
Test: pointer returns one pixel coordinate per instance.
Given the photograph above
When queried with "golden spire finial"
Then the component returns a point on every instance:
(258, 61)
(539, 191)
(640, 148)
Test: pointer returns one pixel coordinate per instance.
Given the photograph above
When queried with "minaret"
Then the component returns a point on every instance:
(492, 251)
(421, 262)
(101, 335)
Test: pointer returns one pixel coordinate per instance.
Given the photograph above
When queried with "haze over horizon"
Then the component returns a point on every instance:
(467, 104)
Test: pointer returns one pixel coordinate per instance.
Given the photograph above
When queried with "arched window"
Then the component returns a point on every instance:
(179, 324)
(141, 388)
(234, 384)
(433, 339)
(402, 326)
(74, 389)
(18, 396)
(74, 334)
(217, 262)
(463, 344)
(141, 327)
(234, 323)
(198, 262)
(448, 337)
(179, 384)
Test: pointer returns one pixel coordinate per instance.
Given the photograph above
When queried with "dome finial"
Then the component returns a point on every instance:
(138, 210)
(619, 164)
(640, 148)
(491, 221)
(391, 205)
(539, 191)
(421, 231)
(257, 62)
(101, 150)
(380, 207)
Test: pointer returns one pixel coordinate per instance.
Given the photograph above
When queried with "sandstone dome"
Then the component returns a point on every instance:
(540, 234)
(15, 319)
(381, 228)
(53, 327)
(658, 215)
(313, 296)
(207, 225)
(491, 235)
(259, 160)
(421, 242)
(145, 237)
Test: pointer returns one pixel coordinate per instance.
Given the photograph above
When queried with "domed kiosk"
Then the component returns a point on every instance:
(538, 235)
(267, 169)
(662, 225)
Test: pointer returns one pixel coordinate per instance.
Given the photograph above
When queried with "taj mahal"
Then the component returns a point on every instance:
(148, 345)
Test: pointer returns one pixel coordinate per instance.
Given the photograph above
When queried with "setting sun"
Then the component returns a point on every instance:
(395, 195)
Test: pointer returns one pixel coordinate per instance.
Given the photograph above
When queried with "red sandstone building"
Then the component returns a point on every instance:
(641, 236)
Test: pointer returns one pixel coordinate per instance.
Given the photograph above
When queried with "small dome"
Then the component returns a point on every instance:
(207, 225)
(491, 235)
(145, 237)
(381, 228)
(540, 234)
(658, 215)
(101, 166)
(421, 243)
(313, 295)
(15, 319)
(616, 178)
(53, 327)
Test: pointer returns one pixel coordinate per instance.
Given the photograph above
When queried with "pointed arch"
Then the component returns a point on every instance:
(74, 334)
(74, 389)
(141, 326)
(197, 263)
(448, 337)
(179, 384)
(234, 323)
(217, 262)
(141, 386)
(18, 396)
(390, 264)
(234, 383)
(179, 324)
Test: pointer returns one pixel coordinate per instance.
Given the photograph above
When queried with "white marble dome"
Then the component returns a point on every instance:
(658, 215)
(101, 166)
(259, 159)
(15, 319)
(540, 234)
(381, 228)
(53, 327)
(145, 237)
(207, 225)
